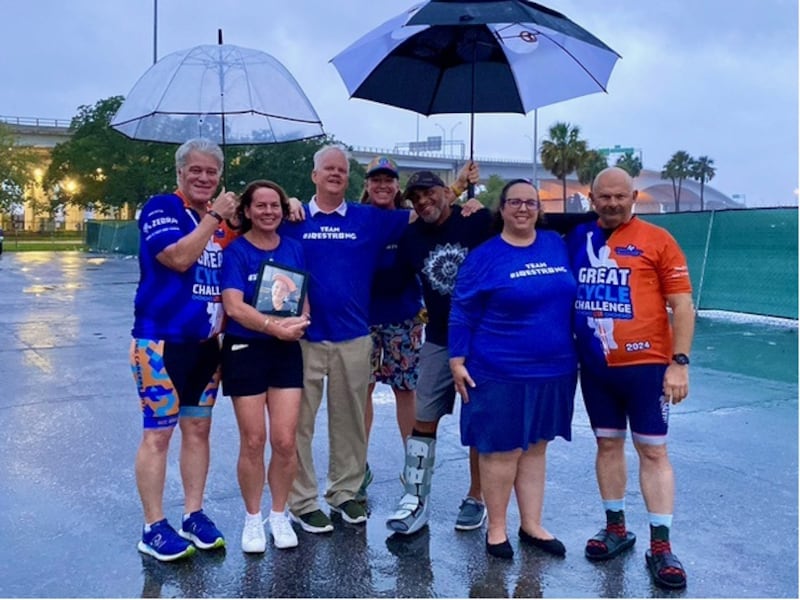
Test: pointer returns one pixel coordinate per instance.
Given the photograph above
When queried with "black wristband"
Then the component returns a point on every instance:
(216, 215)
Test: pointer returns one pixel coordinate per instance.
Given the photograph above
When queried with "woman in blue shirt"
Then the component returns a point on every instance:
(514, 363)
(262, 366)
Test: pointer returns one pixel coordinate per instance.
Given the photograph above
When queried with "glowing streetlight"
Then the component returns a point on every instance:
(70, 186)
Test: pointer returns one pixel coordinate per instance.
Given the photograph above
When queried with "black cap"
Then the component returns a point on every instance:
(422, 180)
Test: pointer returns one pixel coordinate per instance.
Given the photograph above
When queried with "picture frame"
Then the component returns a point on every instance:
(280, 290)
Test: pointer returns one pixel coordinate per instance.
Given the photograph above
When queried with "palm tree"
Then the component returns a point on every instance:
(591, 164)
(703, 171)
(678, 168)
(631, 164)
(562, 153)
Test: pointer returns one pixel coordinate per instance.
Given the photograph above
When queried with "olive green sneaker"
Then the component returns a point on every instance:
(315, 521)
(351, 511)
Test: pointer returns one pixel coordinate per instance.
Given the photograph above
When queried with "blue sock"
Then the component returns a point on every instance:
(614, 505)
(658, 520)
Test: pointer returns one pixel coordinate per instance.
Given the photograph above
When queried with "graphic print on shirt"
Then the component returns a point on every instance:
(604, 293)
(206, 286)
(441, 266)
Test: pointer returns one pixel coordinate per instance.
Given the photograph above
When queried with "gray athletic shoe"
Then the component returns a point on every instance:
(471, 514)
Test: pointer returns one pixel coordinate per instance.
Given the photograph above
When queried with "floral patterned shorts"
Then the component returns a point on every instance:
(395, 353)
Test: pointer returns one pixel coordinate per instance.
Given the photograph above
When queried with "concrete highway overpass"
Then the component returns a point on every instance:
(655, 194)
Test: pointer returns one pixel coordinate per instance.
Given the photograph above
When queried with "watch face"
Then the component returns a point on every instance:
(681, 359)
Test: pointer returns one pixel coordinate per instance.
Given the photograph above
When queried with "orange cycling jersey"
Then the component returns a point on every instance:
(623, 282)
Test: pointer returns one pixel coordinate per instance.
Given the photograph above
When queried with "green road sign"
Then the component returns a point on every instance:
(615, 150)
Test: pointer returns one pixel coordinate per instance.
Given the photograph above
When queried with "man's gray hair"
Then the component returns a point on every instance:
(319, 154)
(201, 145)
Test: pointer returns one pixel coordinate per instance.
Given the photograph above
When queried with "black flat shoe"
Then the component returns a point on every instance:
(501, 550)
(554, 546)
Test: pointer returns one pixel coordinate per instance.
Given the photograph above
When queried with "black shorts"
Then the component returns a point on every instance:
(252, 366)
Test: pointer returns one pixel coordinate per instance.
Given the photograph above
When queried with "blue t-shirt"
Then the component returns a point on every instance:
(173, 306)
(388, 303)
(342, 254)
(511, 311)
(242, 265)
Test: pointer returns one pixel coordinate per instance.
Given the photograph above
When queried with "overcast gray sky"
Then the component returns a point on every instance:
(712, 77)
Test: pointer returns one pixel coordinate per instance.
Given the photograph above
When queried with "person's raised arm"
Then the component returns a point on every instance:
(296, 211)
(184, 253)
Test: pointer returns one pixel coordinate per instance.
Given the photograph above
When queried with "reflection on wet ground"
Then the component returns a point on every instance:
(70, 515)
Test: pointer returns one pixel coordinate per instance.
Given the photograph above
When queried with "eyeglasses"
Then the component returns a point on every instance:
(531, 203)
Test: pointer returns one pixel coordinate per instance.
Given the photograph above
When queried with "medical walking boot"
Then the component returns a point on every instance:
(413, 509)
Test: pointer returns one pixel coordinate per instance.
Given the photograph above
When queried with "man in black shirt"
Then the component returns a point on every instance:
(433, 247)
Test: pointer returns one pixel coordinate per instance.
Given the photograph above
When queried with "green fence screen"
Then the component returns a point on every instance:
(121, 237)
(739, 260)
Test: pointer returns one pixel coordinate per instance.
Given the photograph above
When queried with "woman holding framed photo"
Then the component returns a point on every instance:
(262, 366)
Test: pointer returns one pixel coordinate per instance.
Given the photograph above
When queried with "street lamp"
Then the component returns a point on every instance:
(535, 149)
(452, 138)
(444, 137)
(533, 153)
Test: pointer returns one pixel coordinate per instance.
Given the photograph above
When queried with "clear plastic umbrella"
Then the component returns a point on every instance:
(225, 93)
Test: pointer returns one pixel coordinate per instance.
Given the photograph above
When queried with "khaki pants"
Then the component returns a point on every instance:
(346, 365)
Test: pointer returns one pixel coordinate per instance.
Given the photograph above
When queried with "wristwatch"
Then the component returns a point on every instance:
(680, 358)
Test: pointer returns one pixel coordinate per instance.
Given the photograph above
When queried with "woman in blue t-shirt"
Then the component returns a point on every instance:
(514, 363)
(262, 366)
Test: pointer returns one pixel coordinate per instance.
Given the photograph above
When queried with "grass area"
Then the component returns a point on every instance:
(53, 244)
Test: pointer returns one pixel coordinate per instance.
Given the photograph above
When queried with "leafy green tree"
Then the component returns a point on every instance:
(288, 164)
(563, 152)
(16, 170)
(703, 171)
(106, 169)
(677, 168)
(489, 197)
(591, 164)
(630, 163)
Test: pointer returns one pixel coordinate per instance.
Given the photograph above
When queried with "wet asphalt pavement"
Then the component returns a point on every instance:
(70, 515)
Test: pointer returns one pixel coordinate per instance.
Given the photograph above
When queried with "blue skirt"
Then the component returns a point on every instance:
(502, 416)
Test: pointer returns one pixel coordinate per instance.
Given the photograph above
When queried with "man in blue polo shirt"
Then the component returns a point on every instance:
(342, 242)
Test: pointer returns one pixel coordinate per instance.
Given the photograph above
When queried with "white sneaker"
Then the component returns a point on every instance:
(282, 531)
(254, 538)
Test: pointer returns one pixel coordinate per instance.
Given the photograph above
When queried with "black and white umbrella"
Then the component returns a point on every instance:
(479, 56)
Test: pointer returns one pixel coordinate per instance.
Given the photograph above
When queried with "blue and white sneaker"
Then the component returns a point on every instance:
(163, 542)
(471, 514)
(201, 531)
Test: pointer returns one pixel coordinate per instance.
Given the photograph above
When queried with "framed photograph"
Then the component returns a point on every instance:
(280, 290)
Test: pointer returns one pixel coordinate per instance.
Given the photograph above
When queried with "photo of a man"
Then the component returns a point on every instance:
(280, 290)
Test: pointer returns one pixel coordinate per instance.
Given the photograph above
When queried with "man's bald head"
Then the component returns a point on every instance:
(613, 197)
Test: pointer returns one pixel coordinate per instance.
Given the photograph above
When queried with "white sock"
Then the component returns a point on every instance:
(277, 515)
(254, 517)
